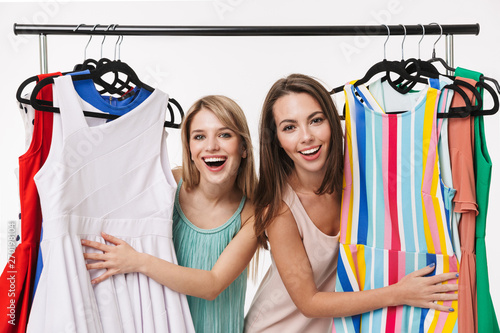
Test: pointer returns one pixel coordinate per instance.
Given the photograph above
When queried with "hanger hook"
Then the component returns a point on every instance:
(78, 26)
(120, 47)
(388, 35)
(434, 47)
(76, 29)
(420, 41)
(85, 50)
(102, 43)
(403, 43)
(118, 43)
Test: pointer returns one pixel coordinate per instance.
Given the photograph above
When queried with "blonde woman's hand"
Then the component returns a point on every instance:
(119, 258)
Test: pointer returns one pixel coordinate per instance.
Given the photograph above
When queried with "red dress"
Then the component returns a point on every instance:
(16, 281)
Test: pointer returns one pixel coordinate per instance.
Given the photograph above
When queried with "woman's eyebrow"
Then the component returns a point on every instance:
(314, 114)
(287, 121)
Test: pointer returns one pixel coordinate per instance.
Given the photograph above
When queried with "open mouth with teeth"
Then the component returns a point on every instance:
(310, 152)
(214, 162)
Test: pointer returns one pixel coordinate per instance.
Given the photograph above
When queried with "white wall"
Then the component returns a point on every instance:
(242, 68)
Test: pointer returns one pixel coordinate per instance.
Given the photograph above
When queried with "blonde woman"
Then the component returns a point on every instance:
(213, 228)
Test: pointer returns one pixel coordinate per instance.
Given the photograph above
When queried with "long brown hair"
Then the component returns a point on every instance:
(275, 165)
(231, 115)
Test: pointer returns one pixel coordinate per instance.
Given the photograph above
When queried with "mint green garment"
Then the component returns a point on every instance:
(486, 317)
(200, 248)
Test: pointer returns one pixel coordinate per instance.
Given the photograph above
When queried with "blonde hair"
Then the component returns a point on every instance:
(231, 115)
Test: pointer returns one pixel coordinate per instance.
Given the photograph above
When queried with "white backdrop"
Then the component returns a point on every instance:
(242, 68)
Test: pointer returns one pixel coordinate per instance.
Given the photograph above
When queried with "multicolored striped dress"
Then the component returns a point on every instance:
(393, 215)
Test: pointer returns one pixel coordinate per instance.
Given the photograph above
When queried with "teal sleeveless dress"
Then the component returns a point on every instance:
(200, 248)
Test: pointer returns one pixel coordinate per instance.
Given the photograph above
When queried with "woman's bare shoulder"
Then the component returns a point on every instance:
(177, 173)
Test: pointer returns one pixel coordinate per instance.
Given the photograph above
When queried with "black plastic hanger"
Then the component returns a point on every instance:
(412, 65)
(463, 111)
(426, 69)
(115, 66)
(388, 66)
(171, 123)
(48, 106)
(477, 111)
(384, 66)
(34, 78)
(401, 89)
(495, 107)
(399, 67)
(23, 85)
(495, 82)
(494, 96)
(103, 66)
(117, 86)
(381, 67)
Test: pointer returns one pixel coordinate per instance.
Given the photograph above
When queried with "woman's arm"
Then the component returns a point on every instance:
(122, 258)
(295, 271)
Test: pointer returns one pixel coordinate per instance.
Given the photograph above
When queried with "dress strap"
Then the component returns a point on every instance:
(240, 207)
(368, 98)
(69, 104)
(178, 191)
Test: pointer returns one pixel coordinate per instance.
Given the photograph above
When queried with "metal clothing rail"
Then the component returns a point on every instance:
(155, 30)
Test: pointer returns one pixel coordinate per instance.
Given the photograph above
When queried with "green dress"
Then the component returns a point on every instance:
(200, 248)
(487, 320)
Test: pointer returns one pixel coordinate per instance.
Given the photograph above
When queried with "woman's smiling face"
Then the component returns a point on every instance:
(216, 150)
(302, 130)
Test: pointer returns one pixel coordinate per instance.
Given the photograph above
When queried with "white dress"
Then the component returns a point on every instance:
(112, 177)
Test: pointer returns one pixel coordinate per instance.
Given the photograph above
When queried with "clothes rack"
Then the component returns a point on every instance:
(43, 30)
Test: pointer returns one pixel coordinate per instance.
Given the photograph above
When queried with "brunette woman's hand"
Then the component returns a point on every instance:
(417, 289)
(119, 258)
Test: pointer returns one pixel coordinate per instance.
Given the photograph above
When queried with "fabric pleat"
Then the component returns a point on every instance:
(200, 248)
